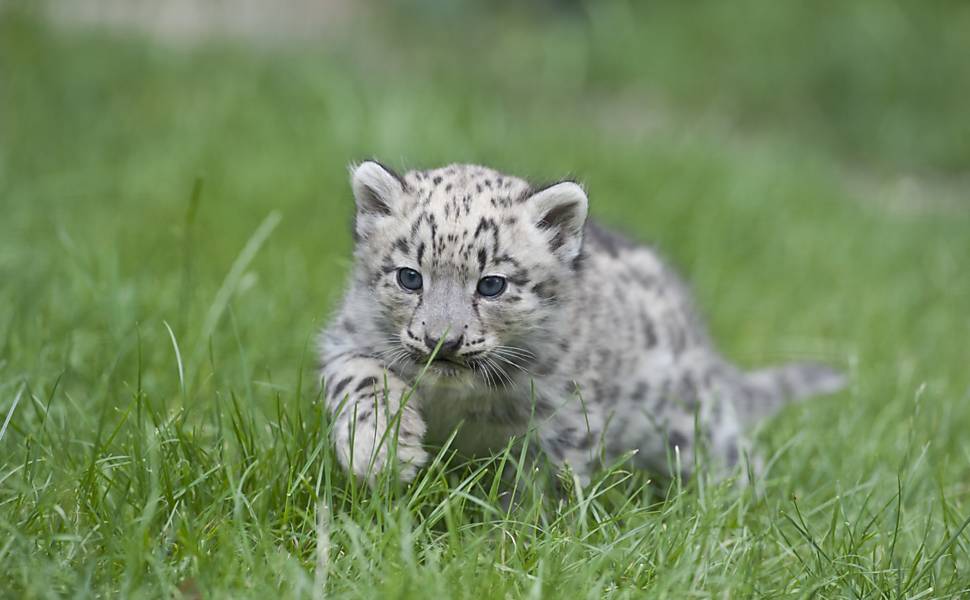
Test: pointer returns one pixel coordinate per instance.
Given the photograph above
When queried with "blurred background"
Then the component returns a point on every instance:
(818, 145)
(791, 157)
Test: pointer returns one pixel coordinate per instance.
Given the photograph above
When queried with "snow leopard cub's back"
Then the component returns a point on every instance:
(537, 319)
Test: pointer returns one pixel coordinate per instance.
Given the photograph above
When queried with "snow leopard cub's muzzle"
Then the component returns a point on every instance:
(447, 329)
(443, 327)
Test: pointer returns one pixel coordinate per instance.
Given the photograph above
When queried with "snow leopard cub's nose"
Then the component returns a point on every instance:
(449, 346)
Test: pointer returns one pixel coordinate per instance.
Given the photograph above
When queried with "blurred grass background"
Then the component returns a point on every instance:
(807, 165)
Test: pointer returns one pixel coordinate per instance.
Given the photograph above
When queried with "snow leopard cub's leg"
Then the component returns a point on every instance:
(571, 438)
(364, 401)
(670, 428)
(701, 426)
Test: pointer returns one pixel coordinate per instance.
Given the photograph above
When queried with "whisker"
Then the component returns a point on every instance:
(517, 360)
(482, 368)
(400, 355)
(516, 351)
(500, 373)
(509, 354)
(510, 347)
(510, 362)
(493, 375)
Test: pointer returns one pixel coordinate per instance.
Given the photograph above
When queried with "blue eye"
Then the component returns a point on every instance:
(409, 279)
(491, 286)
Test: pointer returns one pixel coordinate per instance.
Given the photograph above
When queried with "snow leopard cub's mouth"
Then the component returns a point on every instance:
(492, 368)
(468, 367)
(443, 365)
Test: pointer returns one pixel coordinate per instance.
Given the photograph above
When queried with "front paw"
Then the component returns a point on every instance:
(364, 449)
(410, 458)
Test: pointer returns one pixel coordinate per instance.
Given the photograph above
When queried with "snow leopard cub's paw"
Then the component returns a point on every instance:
(369, 437)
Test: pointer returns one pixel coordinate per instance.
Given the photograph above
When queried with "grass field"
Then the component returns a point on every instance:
(174, 227)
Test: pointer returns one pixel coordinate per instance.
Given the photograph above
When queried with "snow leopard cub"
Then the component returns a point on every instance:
(543, 321)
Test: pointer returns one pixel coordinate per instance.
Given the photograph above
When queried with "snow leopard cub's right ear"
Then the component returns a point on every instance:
(560, 211)
(377, 190)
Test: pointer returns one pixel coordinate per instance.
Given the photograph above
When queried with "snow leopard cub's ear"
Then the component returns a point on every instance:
(560, 210)
(377, 190)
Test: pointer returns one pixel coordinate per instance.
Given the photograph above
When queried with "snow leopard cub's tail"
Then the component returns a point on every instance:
(771, 388)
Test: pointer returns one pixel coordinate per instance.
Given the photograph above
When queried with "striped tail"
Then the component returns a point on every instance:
(772, 388)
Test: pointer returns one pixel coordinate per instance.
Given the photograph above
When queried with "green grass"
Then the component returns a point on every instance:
(174, 227)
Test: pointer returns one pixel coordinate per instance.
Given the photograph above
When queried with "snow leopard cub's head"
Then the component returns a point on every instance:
(466, 261)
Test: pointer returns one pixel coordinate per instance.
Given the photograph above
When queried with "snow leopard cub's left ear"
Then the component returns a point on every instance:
(560, 210)
(377, 192)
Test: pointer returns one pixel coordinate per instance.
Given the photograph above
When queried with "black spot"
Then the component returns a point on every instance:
(663, 397)
(555, 449)
(436, 180)
(605, 357)
(580, 260)
(402, 245)
(716, 411)
(564, 438)
(349, 326)
(542, 406)
(732, 454)
(640, 391)
(609, 241)
(482, 226)
(505, 258)
(677, 337)
(448, 188)
(649, 332)
(482, 255)
(677, 439)
(645, 280)
(599, 388)
(543, 289)
(434, 233)
(520, 277)
(687, 393)
(347, 354)
(421, 248)
(367, 382)
(337, 389)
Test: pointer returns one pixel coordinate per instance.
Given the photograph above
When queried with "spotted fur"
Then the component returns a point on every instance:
(594, 344)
